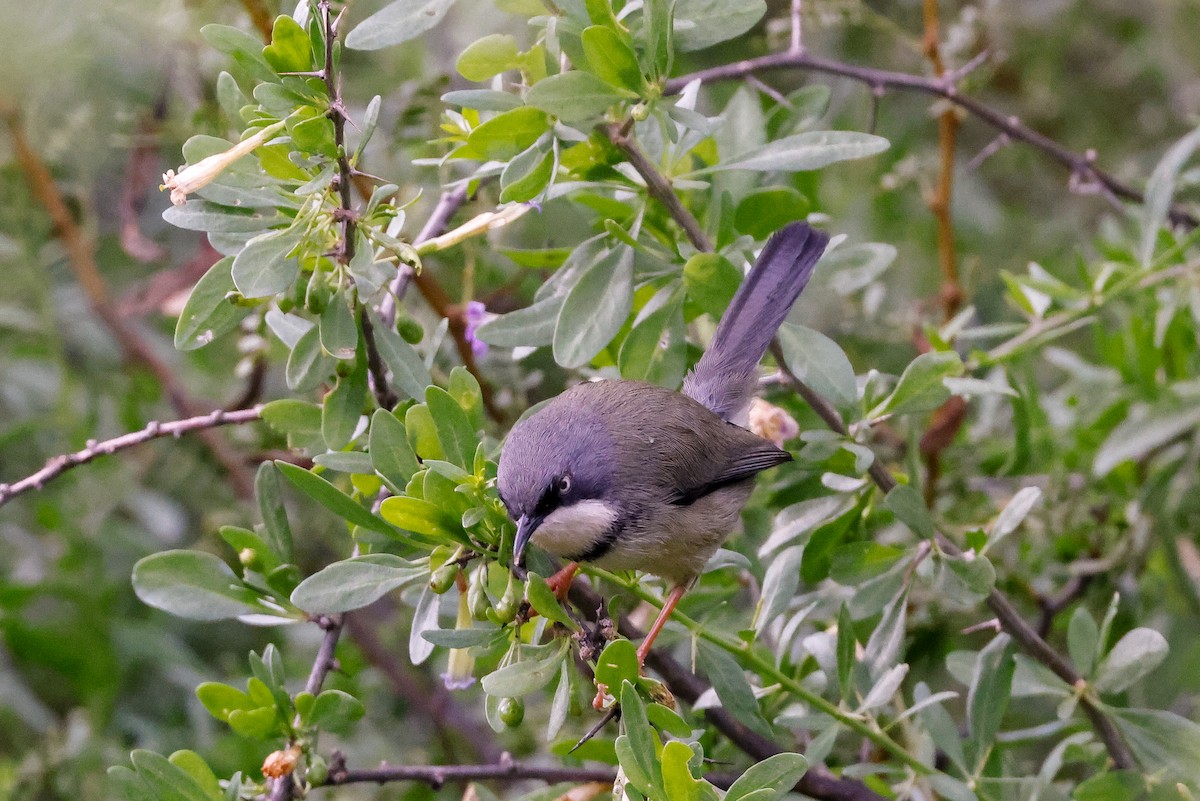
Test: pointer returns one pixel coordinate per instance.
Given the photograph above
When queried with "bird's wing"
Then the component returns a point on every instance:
(753, 456)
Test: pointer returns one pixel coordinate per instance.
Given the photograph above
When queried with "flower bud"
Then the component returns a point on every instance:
(281, 763)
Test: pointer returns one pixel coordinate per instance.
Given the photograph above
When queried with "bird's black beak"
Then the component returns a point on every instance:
(526, 525)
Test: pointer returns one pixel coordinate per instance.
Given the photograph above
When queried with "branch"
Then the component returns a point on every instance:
(1082, 166)
(1010, 619)
(81, 259)
(58, 465)
(659, 187)
(817, 782)
(507, 770)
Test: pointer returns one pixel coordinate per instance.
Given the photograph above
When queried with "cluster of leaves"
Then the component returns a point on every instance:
(846, 641)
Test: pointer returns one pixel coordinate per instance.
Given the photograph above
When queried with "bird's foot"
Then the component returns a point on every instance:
(560, 582)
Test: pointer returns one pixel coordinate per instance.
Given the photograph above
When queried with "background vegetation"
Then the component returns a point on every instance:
(980, 578)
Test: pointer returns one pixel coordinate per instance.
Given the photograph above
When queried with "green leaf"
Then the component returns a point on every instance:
(1114, 785)
(355, 583)
(1160, 190)
(1163, 742)
(1083, 640)
(779, 586)
(342, 408)
(711, 280)
(909, 508)
(595, 309)
(391, 454)
(408, 371)
(920, 388)
(269, 494)
(527, 174)
(544, 602)
(207, 313)
(857, 562)
(850, 268)
(263, 268)
(290, 49)
(308, 365)
(299, 420)
(332, 498)
(221, 699)
(678, 782)
(778, 774)
(1014, 513)
(339, 329)
(424, 620)
(820, 363)
(883, 690)
(611, 58)
(638, 748)
(194, 765)
(657, 25)
(704, 23)
(847, 645)
(732, 688)
(764, 211)
(560, 706)
(489, 56)
(257, 724)
(522, 678)
(454, 430)
(192, 584)
(1134, 656)
(1141, 434)
(482, 99)
(655, 350)
(200, 215)
(335, 711)
(421, 517)
(574, 97)
(398, 22)
(528, 327)
(617, 663)
(811, 150)
(976, 573)
(168, 782)
(987, 699)
(505, 135)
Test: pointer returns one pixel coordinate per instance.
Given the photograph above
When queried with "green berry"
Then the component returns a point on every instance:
(512, 711)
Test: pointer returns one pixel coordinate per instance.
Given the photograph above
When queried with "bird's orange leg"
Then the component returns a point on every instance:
(668, 607)
(560, 582)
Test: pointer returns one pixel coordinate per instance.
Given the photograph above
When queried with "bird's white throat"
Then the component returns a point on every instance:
(574, 528)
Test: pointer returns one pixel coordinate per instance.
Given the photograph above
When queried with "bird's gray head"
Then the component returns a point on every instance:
(555, 476)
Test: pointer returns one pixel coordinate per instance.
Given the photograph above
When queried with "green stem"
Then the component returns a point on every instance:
(768, 670)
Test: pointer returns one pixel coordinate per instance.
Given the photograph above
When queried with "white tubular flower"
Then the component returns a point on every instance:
(460, 673)
(770, 422)
(203, 172)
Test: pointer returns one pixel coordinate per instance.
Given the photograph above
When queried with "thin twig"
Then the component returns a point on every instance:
(81, 259)
(1078, 164)
(58, 465)
(506, 770)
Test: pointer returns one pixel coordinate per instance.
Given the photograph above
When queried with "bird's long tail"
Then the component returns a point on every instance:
(725, 377)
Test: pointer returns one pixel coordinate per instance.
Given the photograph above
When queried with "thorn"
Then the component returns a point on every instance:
(611, 714)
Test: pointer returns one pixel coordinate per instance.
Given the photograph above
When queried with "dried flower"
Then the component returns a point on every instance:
(199, 175)
(281, 763)
(460, 673)
(770, 422)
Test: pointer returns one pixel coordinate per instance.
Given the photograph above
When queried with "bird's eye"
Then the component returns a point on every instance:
(564, 484)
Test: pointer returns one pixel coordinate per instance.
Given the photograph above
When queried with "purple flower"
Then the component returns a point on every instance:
(475, 315)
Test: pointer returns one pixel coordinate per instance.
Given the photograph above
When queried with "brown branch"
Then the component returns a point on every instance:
(58, 465)
(1082, 166)
(659, 187)
(1010, 619)
(506, 770)
(817, 782)
(261, 17)
(81, 259)
(1051, 605)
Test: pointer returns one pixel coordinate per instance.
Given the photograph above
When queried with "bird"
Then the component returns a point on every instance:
(625, 474)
